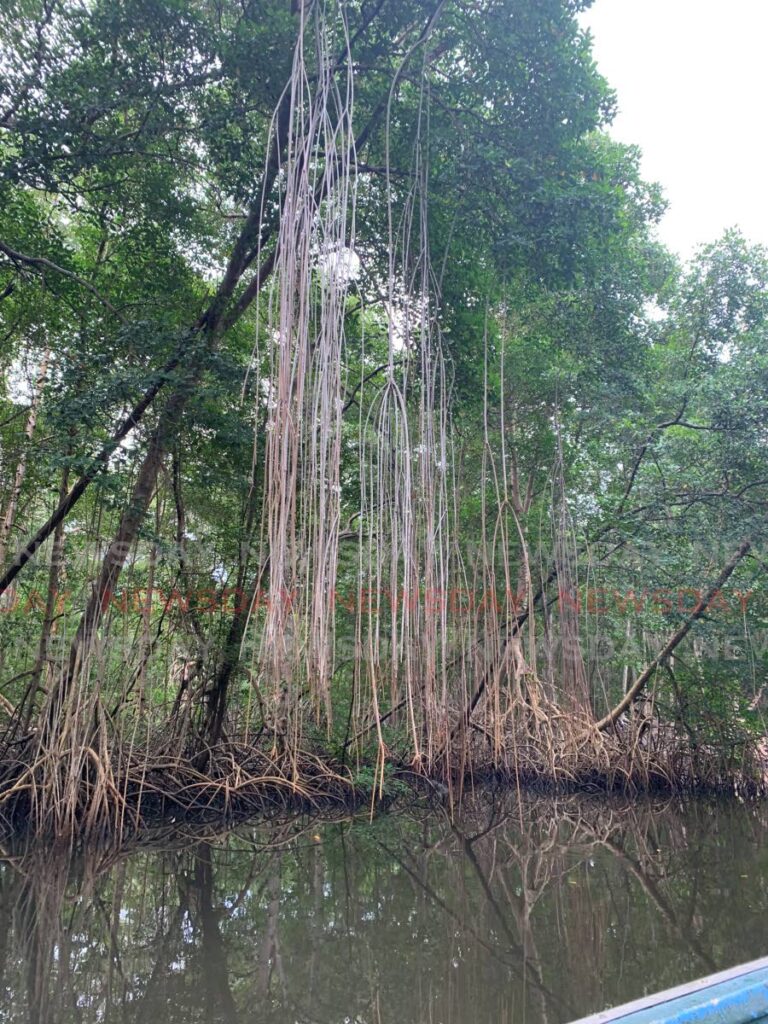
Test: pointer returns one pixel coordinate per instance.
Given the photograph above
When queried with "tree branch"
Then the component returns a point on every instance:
(41, 263)
(639, 684)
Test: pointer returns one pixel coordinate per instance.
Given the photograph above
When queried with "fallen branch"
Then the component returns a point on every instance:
(639, 684)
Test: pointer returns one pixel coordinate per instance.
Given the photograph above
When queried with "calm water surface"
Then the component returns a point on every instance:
(534, 912)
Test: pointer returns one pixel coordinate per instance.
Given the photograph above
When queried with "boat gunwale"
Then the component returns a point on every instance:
(680, 992)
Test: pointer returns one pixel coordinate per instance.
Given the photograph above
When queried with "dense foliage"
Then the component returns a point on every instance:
(518, 412)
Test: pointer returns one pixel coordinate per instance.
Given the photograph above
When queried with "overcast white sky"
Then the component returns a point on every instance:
(692, 84)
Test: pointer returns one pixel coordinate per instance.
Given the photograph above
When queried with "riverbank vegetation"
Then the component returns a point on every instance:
(354, 420)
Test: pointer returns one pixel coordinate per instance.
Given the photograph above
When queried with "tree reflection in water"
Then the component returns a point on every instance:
(537, 911)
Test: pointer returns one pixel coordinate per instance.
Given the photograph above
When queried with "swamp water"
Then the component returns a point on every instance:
(539, 911)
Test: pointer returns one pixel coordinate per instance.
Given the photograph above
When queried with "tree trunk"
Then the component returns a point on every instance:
(21, 467)
(114, 560)
(49, 615)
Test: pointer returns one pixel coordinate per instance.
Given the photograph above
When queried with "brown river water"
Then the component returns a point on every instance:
(537, 911)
